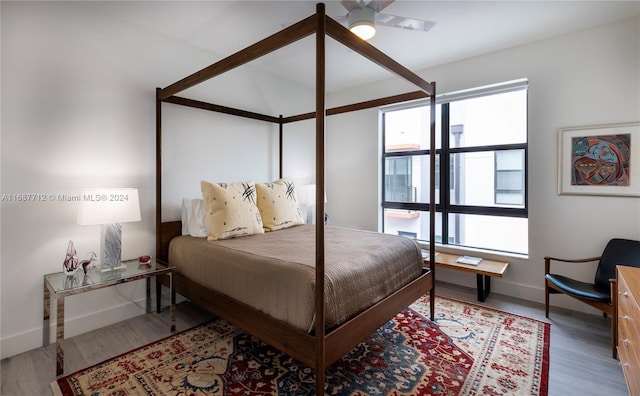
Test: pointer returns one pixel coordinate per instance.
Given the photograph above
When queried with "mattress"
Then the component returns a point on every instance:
(274, 272)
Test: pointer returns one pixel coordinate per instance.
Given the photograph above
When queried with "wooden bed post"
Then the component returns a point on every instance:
(280, 135)
(320, 183)
(432, 199)
(158, 170)
(159, 253)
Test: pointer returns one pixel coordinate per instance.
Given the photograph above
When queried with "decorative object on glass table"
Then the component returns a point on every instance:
(70, 282)
(469, 260)
(70, 264)
(144, 262)
(88, 263)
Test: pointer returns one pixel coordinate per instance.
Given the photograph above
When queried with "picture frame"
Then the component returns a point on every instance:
(599, 160)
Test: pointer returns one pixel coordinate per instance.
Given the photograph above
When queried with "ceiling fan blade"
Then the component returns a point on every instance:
(380, 5)
(350, 4)
(403, 22)
(376, 5)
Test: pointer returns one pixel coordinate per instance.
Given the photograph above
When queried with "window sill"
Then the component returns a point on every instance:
(402, 215)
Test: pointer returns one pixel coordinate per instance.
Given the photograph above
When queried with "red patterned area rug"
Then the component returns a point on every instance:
(470, 350)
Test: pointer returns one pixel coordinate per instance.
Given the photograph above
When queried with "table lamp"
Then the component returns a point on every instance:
(109, 208)
(307, 198)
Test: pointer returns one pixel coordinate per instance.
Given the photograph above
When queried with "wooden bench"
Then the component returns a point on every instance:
(484, 270)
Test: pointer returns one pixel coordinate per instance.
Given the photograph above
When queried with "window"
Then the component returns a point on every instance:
(398, 179)
(481, 168)
(509, 177)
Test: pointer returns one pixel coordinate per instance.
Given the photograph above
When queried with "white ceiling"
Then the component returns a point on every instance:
(464, 29)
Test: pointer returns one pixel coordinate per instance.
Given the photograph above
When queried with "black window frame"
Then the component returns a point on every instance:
(444, 207)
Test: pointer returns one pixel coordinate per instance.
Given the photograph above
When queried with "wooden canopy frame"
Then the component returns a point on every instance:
(321, 349)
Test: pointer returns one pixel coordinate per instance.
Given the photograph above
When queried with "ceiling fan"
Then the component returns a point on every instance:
(364, 15)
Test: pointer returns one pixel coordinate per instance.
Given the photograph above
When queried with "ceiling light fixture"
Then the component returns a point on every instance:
(362, 22)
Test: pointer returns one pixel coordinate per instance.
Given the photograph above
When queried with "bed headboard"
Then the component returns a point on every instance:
(168, 231)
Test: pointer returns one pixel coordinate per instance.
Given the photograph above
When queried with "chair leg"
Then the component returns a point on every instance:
(546, 299)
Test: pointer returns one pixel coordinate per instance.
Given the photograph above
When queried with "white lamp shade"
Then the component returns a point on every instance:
(109, 206)
(307, 195)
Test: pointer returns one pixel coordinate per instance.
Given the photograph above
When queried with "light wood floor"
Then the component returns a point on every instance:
(580, 355)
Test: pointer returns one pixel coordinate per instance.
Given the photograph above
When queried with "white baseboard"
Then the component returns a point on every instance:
(32, 339)
(516, 290)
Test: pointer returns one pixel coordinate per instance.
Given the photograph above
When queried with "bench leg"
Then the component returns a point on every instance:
(484, 286)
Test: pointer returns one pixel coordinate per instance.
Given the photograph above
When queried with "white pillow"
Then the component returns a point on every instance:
(193, 222)
(186, 209)
(230, 209)
(278, 204)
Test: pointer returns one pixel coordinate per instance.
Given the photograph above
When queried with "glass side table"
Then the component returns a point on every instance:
(62, 285)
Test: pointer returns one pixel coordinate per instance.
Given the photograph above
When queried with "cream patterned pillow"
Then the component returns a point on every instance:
(278, 204)
(230, 209)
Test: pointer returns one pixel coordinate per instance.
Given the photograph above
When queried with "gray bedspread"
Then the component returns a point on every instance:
(275, 272)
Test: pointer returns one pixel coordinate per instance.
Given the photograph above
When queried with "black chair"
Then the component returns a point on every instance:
(602, 293)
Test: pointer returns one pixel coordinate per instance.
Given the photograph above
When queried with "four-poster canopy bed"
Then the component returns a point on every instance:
(327, 342)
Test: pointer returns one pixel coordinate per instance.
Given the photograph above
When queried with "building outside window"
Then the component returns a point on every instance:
(481, 168)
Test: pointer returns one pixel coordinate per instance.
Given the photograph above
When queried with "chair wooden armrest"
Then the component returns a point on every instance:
(548, 259)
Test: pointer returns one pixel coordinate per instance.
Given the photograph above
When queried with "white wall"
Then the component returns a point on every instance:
(78, 96)
(585, 78)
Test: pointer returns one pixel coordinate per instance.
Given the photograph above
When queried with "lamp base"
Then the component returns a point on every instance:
(111, 247)
(116, 268)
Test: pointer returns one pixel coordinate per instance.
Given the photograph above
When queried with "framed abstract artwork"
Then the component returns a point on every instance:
(599, 160)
